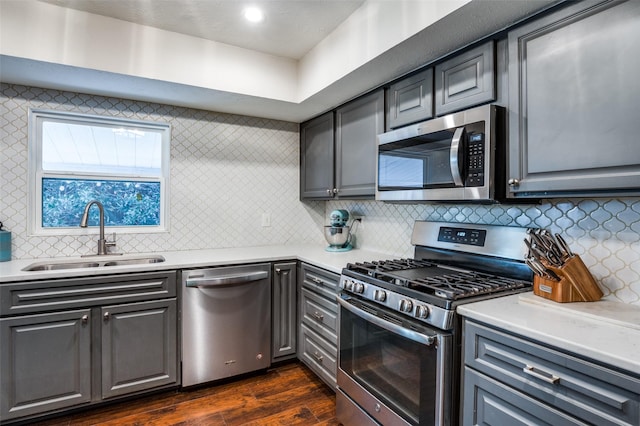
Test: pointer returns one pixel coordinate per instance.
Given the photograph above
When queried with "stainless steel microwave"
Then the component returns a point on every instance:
(450, 158)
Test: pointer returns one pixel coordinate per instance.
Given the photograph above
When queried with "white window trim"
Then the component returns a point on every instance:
(36, 174)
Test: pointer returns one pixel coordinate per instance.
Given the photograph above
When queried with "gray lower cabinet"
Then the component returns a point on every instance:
(78, 341)
(283, 313)
(573, 98)
(510, 379)
(139, 343)
(318, 319)
(45, 362)
(466, 80)
(410, 100)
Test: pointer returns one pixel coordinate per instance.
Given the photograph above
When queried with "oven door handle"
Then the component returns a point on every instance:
(394, 328)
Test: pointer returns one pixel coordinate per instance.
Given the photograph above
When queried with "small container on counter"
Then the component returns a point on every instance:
(5, 245)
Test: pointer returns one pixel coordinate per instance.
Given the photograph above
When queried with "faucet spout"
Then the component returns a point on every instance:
(102, 242)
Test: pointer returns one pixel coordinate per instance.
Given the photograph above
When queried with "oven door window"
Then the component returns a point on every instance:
(398, 371)
(418, 163)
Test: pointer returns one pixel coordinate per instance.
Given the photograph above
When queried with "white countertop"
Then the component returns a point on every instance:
(333, 261)
(604, 331)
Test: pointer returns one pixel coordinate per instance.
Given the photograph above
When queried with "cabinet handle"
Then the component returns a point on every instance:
(514, 183)
(106, 316)
(547, 377)
(278, 270)
(318, 316)
(318, 357)
(85, 319)
(335, 190)
(329, 192)
(316, 280)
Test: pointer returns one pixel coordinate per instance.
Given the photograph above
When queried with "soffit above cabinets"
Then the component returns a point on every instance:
(46, 45)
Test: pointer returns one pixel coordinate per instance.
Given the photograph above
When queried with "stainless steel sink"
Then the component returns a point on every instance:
(52, 266)
(135, 261)
(59, 265)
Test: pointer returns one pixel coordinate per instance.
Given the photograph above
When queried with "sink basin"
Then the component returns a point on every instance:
(59, 265)
(52, 266)
(135, 261)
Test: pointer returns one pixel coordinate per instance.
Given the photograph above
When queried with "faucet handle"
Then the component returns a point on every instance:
(111, 243)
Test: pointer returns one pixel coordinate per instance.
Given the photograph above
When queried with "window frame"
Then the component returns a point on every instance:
(36, 174)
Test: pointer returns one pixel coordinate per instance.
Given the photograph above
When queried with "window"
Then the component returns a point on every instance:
(75, 158)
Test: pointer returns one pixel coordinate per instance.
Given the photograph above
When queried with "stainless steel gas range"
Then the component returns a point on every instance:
(399, 335)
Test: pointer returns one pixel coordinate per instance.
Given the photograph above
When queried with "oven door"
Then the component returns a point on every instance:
(394, 369)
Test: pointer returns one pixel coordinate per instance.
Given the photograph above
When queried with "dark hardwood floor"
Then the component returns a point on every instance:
(288, 394)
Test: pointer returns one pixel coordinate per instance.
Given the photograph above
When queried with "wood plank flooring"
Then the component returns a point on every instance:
(288, 394)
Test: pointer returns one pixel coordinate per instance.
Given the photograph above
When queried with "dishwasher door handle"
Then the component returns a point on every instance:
(223, 280)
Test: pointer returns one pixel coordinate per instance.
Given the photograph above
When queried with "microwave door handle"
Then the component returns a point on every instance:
(454, 156)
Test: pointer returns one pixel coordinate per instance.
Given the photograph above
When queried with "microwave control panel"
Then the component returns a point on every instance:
(475, 160)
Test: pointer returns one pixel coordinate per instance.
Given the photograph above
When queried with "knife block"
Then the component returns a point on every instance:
(576, 283)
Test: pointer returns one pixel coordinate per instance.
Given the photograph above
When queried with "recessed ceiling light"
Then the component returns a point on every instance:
(253, 14)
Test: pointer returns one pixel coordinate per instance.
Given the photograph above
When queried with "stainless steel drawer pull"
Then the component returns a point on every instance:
(318, 316)
(547, 377)
(316, 280)
(318, 357)
(85, 319)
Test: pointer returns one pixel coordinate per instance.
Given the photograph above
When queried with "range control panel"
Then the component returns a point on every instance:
(471, 237)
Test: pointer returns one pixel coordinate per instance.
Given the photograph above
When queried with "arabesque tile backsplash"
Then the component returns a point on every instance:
(226, 170)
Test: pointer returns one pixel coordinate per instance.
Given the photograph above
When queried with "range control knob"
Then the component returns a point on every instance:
(348, 285)
(358, 288)
(380, 295)
(422, 311)
(405, 305)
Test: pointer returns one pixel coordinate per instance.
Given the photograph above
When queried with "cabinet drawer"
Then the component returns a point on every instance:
(39, 296)
(488, 402)
(320, 314)
(320, 281)
(320, 356)
(588, 391)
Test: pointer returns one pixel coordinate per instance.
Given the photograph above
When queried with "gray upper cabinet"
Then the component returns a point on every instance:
(573, 98)
(317, 157)
(410, 100)
(45, 362)
(358, 124)
(466, 80)
(342, 163)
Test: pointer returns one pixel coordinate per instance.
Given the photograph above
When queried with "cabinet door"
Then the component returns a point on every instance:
(411, 99)
(139, 347)
(357, 127)
(489, 402)
(45, 362)
(284, 311)
(573, 98)
(466, 80)
(317, 158)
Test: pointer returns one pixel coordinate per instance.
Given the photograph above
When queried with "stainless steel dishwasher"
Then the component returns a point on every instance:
(226, 322)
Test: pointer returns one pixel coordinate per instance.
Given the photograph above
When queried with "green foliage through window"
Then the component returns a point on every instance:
(126, 203)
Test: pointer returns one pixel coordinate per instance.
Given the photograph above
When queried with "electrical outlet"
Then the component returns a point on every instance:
(266, 220)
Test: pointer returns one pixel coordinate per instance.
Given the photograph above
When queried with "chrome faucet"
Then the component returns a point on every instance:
(103, 244)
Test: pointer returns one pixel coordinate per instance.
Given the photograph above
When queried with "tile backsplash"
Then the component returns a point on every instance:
(227, 170)
(604, 232)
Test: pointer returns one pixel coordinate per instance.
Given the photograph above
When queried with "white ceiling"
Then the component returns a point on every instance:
(290, 27)
(318, 53)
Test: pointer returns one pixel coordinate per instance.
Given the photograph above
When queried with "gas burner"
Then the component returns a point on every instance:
(429, 278)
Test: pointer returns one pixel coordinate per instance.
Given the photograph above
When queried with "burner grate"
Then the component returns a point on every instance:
(430, 278)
